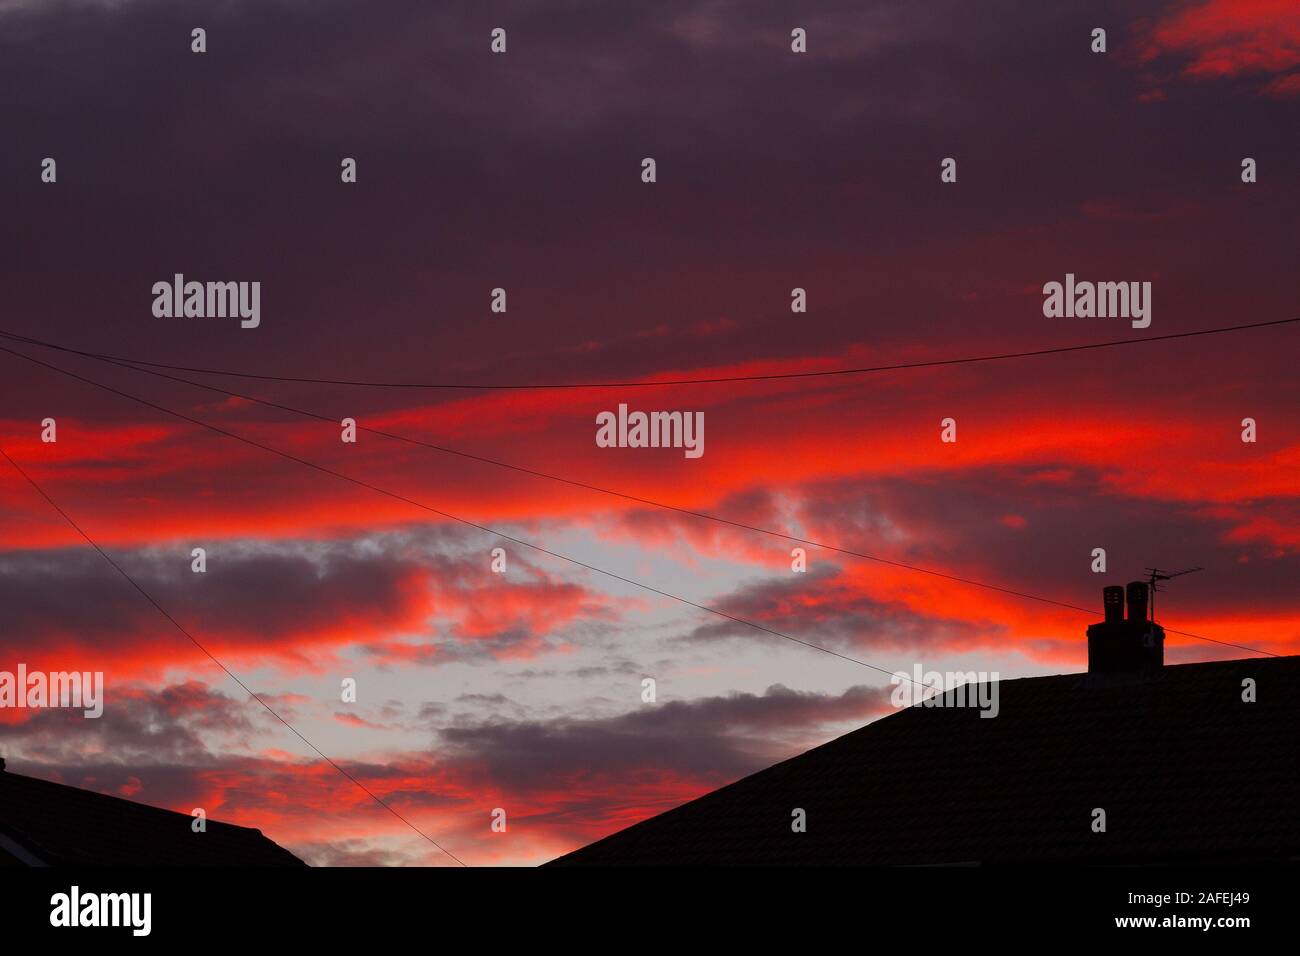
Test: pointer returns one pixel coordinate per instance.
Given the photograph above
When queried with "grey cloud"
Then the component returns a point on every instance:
(715, 738)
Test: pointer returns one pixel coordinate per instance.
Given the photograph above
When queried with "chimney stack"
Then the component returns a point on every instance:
(1120, 645)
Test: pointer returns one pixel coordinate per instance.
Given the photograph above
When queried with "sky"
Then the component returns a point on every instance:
(523, 690)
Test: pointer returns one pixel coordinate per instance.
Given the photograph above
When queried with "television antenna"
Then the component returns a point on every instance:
(1157, 574)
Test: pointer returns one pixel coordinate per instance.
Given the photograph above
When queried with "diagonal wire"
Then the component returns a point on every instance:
(445, 514)
(229, 673)
(714, 380)
(624, 495)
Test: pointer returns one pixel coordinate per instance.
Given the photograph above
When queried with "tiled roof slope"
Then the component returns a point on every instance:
(61, 825)
(1185, 770)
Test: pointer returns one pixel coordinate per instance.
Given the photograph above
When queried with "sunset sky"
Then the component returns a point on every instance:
(523, 171)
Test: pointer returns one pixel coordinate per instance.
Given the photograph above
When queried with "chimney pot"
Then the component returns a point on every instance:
(1137, 601)
(1113, 602)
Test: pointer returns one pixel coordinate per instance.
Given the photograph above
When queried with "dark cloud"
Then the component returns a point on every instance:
(776, 170)
(825, 607)
(248, 595)
(182, 724)
(712, 738)
(1033, 528)
(281, 596)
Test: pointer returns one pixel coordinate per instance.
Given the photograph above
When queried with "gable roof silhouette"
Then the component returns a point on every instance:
(1185, 770)
(52, 824)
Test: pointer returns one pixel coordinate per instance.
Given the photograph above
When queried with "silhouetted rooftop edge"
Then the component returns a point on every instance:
(53, 824)
(1184, 768)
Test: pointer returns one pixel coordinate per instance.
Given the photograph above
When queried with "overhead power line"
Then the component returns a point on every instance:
(448, 515)
(630, 497)
(709, 380)
(229, 673)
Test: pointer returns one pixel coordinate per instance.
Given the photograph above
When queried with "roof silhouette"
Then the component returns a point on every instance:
(51, 824)
(1185, 770)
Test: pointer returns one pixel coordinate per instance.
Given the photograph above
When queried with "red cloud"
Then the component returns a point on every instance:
(1228, 38)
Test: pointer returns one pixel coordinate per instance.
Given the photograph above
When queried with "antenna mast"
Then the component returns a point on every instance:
(1156, 574)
